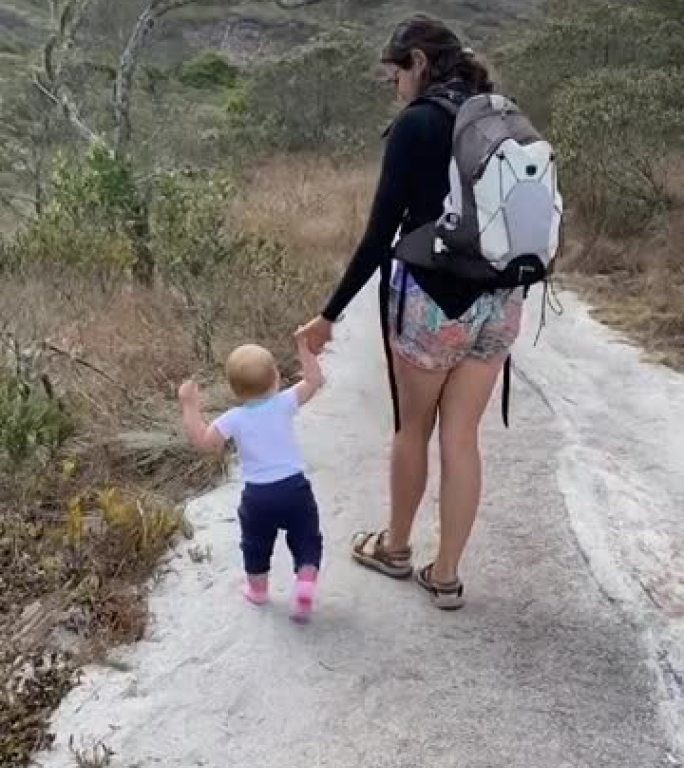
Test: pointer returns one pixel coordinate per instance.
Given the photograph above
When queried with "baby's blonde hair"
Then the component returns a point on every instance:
(252, 371)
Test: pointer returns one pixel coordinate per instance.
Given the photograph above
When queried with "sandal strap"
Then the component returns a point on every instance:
(438, 587)
(379, 551)
(360, 541)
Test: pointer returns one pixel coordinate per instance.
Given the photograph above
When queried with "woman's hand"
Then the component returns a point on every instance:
(316, 333)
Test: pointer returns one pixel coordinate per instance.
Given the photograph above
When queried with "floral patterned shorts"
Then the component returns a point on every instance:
(431, 341)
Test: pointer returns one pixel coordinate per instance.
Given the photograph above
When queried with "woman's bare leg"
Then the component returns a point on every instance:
(464, 399)
(419, 394)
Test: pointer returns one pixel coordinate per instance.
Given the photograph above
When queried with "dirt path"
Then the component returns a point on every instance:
(545, 667)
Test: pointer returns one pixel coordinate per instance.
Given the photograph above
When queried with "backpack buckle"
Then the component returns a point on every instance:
(439, 246)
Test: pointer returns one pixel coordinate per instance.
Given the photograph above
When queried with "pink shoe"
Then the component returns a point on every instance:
(303, 599)
(255, 590)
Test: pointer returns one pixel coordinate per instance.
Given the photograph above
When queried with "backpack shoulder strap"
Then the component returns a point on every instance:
(449, 103)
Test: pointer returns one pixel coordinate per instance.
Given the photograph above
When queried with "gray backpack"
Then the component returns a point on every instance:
(502, 217)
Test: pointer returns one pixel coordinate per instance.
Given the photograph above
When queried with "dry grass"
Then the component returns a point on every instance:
(315, 206)
(637, 286)
(316, 209)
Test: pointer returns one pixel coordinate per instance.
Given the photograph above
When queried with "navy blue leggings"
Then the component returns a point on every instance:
(288, 505)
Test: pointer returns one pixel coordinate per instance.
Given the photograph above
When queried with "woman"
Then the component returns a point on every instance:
(448, 341)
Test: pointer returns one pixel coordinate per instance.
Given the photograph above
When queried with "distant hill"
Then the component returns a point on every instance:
(250, 28)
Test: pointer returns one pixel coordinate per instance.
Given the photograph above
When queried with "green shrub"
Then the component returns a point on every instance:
(97, 190)
(605, 78)
(190, 246)
(238, 98)
(31, 421)
(63, 242)
(581, 39)
(95, 218)
(321, 96)
(614, 131)
(188, 224)
(208, 70)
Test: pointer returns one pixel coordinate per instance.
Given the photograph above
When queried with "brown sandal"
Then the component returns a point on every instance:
(447, 597)
(368, 549)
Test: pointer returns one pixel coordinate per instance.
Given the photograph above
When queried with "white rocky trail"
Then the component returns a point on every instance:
(567, 655)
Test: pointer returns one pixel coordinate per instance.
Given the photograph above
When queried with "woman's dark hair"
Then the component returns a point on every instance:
(446, 56)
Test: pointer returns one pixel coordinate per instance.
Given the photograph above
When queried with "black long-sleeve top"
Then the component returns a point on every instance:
(413, 184)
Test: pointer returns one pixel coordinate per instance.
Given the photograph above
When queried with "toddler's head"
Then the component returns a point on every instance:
(252, 372)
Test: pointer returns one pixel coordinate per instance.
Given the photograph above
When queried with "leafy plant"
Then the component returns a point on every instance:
(578, 39)
(31, 421)
(605, 79)
(614, 130)
(308, 100)
(96, 218)
(189, 217)
(209, 70)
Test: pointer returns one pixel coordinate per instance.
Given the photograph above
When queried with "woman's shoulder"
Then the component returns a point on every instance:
(421, 119)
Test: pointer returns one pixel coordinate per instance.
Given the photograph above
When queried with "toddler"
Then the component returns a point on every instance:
(276, 495)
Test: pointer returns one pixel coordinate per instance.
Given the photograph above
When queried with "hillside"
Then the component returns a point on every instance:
(242, 27)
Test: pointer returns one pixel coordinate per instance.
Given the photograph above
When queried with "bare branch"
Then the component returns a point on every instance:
(160, 7)
(76, 360)
(47, 93)
(293, 4)
(20, 196)
(128, 65)
(54, 11)
(62, 41)
(55, 54)
(8, 200)
(69, 109)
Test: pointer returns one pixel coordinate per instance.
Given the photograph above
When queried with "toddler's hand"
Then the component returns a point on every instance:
(311, 369)
(188, 393)
(303, 349)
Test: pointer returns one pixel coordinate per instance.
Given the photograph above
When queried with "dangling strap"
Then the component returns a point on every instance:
(506, 391)
(402, 300)
(385, 279)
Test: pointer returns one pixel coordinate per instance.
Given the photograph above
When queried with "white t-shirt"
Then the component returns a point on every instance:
(263, 432)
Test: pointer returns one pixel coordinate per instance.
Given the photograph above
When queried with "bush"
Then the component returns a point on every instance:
(226, 277)
(322, 96)
(207, 71)
(605, 79)
(188, 224)
(61, 241)
(93, 220)
(581, 39)
(31, 421)
(615, 130)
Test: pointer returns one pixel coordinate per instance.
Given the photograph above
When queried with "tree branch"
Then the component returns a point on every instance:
(69, 109)
(7, 199)
(290, 5)
(128, 65)
(62, 41)
(55, 55)
(130, 58)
